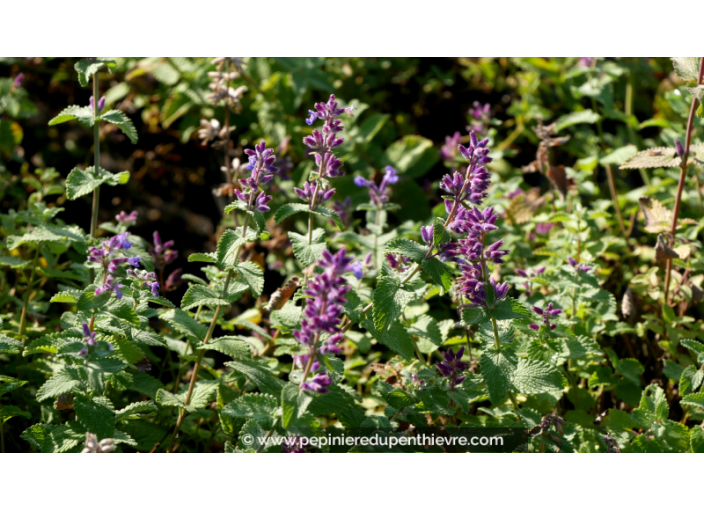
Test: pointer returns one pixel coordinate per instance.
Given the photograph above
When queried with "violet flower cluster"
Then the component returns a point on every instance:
(162, 253)
(322, 315)
(322, 144)
(126, 219)
(470, 187)
(482, 117)
(546, 314)
(378, 193)
(452, 367)
(89, 340)
(579, 267)
(261, 164)
(148, 279)
(104, 256)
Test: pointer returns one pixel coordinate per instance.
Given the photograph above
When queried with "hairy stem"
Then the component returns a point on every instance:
(680, 185)
(208, 335)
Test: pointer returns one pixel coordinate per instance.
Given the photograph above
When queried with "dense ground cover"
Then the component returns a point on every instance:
(216, 250)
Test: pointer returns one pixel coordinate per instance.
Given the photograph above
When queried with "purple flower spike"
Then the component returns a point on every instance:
(88, 335)
(317, 384)
(548, 312)
(452, 367)
(18, 80)
(379, 193)
(323, 310)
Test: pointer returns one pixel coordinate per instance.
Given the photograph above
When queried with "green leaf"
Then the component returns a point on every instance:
(9, 384)
(696, 400)
(97, 415)
(253, 275)
(234, 346)
(65, 380)
(87, 68)
(8, 412)
(631, 369)
(64, 438)
(183, 323)
(287, 210)
(256, 215)
(440, 234)
(687, 68)
(121, 121)
(389, 302)
(308, 253)
(395, 338)
(41, 234)
(690, 380)
(475, 316)
(67, 296)
(654, 401)
(126, 350)
(439, 272)
(9, 345)
(583, 117)
(509, 308)
(406, 248)
(256, 406)
(258, 375)
(145, 406)
(203, 257)
(657, 157)
(533, 376)
(202, 295)
(412, 156)
(497, 370)
(293, 403)
(340, 403)
(696, 439)
(83, 114)
(229, 243)
(81, 182)
(89, 301)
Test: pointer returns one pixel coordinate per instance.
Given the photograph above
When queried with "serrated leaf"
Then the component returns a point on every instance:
(65, 380)
(123, 122)
(406, 248)
(389, 302)
(203, 257)
(256, 215)
(146, 406)
(8, 412)
(497, 369)
(87, 68)
(293, 404)
(533, 376)
(255, 406)
(258, 375)
(696, 440)
(9, 345)
(126, 350)
(97, 415)
(440, 234)
(42, 234)
(234, 346)
(439, 272)
(396, 338)
(340, 403)
(696, 400)
(83, 114)
(67, 296)
(475, 316)
(183, 323)
(509, 308)
(202, 295)
(253, 275)
(308, 253)
(662, 157)
(687, 68)
(287, 210)
(230, 243)
(81, 182)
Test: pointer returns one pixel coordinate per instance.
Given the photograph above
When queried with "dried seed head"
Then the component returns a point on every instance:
(627, 303)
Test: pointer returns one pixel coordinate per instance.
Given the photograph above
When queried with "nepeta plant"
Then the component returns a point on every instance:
(477, 302)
